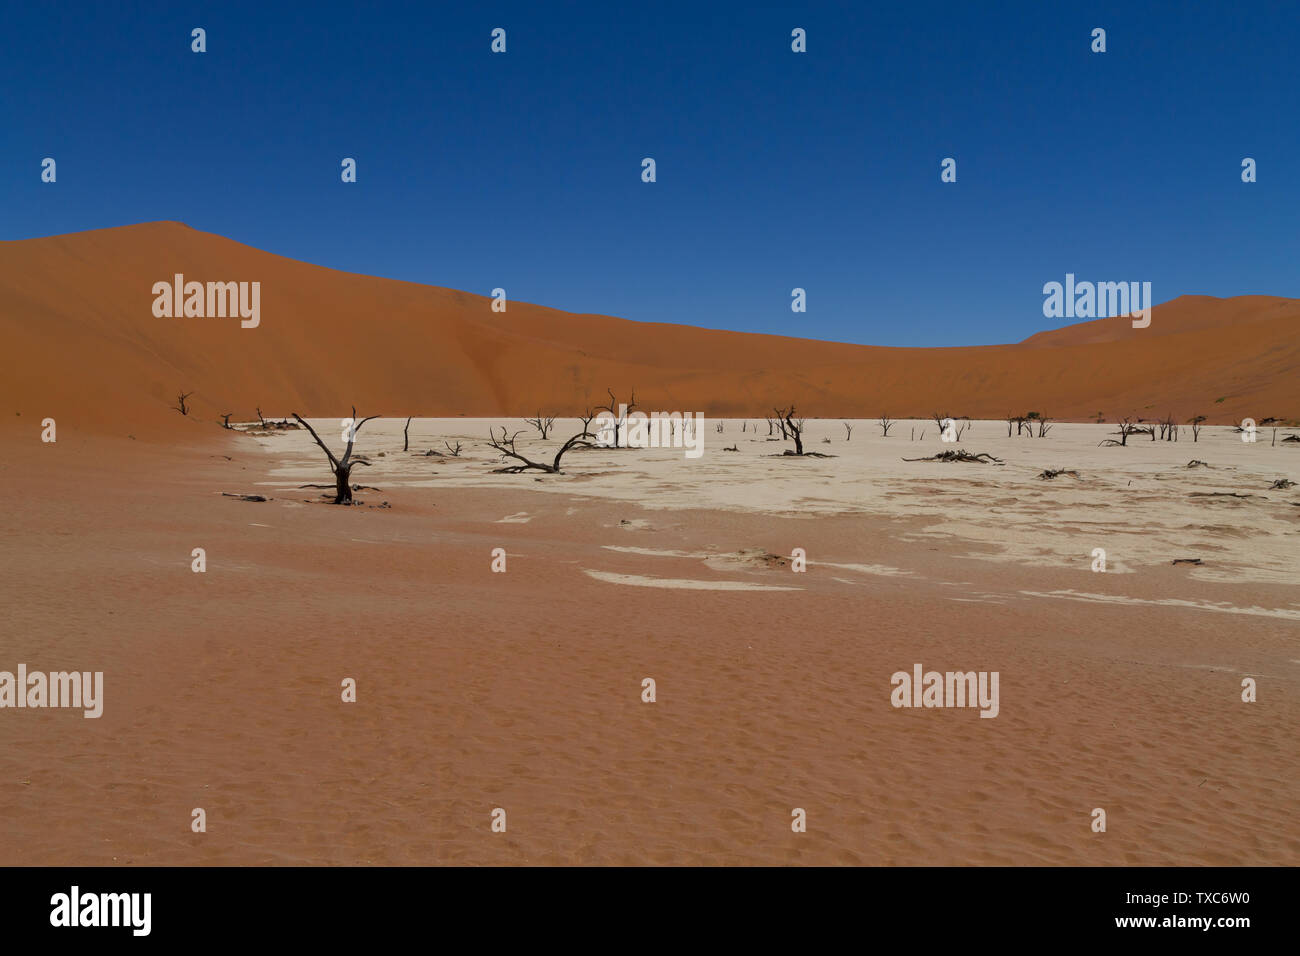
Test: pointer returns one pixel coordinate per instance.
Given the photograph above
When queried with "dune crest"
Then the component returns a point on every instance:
(84, 346)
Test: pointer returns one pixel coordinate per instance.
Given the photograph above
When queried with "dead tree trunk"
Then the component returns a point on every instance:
(612, 408)
(1126, 428)
(406, 437)
(780, 422)
(543, 423)
(342, 467)
(796, 430)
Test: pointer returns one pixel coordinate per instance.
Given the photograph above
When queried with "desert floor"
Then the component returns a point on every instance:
(522, 690)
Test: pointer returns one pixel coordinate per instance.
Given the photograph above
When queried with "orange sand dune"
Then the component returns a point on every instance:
(83, 346)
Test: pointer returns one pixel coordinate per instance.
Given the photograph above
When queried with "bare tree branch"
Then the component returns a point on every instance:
(342, 467)
(543, 423)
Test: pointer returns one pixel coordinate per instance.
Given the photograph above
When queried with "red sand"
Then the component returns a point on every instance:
(83, 346)
(522, 690)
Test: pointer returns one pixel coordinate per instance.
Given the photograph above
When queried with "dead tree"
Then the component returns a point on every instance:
(780, 422)
(886, 423)
(1273, 423)
(454, 452)
(342, 467)
(795, 429)
(543, 423)
(612, 408)
(1196, 427)
(1126, 428)
(848, 429)
(1044, 426)
(180, 405)
(406, 438)
(1168, 429)
(226, 419)
(506, 445)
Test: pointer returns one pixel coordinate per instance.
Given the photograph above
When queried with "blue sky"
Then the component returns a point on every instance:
(775, 169)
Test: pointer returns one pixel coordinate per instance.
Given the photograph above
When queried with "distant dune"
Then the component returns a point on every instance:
(82, 345)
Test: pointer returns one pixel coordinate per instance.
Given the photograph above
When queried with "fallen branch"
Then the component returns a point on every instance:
(506, 445)
(961, 454)
(1057, 472)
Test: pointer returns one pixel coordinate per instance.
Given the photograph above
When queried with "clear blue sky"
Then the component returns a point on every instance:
(775, 169)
